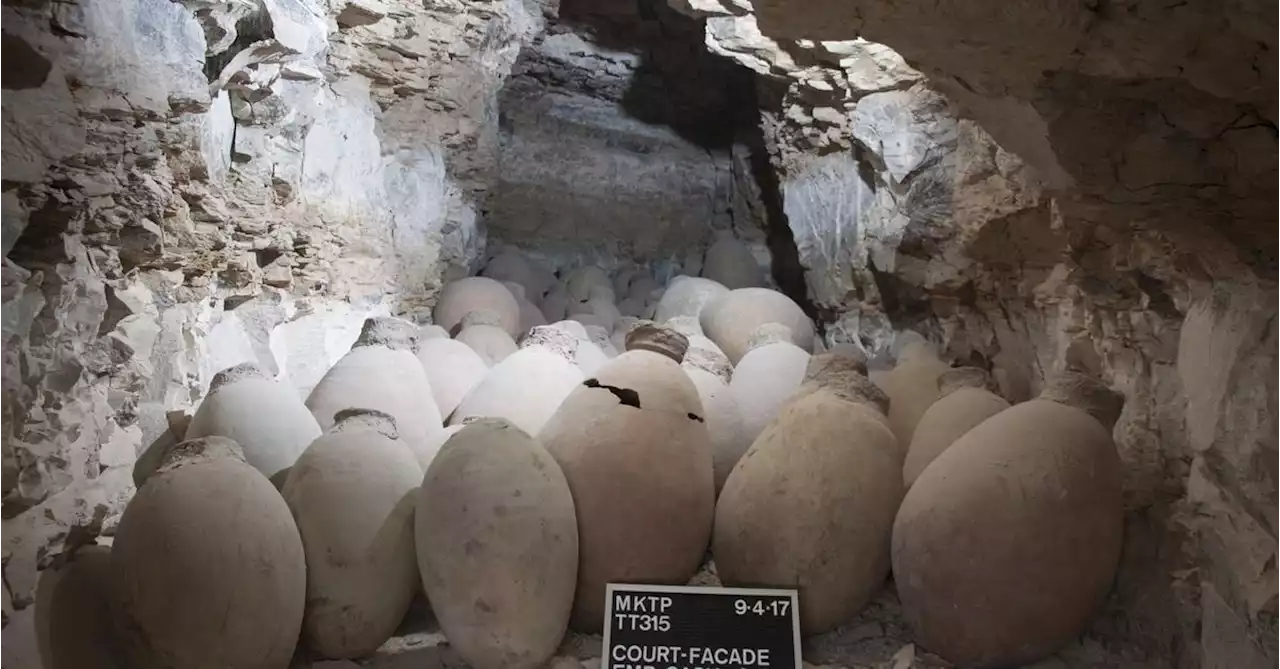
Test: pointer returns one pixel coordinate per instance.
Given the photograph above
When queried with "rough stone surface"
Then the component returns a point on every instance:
(188, 186)
(617, 128)
(1133, 229)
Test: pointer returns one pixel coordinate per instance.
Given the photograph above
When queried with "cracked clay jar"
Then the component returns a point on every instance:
(633, 443)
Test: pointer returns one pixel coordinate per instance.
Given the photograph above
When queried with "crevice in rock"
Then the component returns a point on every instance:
(787, 270)
(907, 306)
(265, 257)
(41, 245)
(1158, 299)
(117, 311)
(617, 128)
(252, 28)
(23, 66)
(625, 396)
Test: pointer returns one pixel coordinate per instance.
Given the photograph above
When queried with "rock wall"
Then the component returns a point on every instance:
(1133, 239)
(192, 185)
(617, 128)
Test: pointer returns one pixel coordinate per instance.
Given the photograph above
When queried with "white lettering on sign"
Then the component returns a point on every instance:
(642, 613)
(641, 603)
(642, 622)
(664, 654)
(726, 657)
(676, 657)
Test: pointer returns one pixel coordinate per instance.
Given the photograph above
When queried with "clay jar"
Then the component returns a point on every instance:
(631, 307)
(555, 306)
(351, 493)
(435, 443)
(589, 357)
(268, 421)
(529, 385)
(732, 318)
(811, 504)
(453, 369)
(427, 332)
(600, 337)
(477, 293)
(510, 265)
(642, 287)
(497, 545)
(624, 326)
(587, 282)
(74, 627)
(1008, 542)
(912, 386)
(483, 333)
(599, 308)
(530, 314)
(766, 377)
(729, 262)
(964, 402)
(574, 328)
(381, 372)
(687, 296)
(724, 419)
(208, 568)
(703, 353)
(633, 444)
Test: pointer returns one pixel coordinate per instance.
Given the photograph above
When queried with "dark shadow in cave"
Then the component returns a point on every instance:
(679, 84)
(785, 266)
(908, 306)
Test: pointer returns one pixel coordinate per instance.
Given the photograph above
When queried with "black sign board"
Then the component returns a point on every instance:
(685, 627)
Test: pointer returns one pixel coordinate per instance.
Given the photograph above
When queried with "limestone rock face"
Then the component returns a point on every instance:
(496, 492)
(1127, 204)
(1008, 543)
(811, 503)
(633, 443)
(594, 170)
(351, 494)
(198, 581)
(1012, 263)
(271, 425)
(205, 240)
